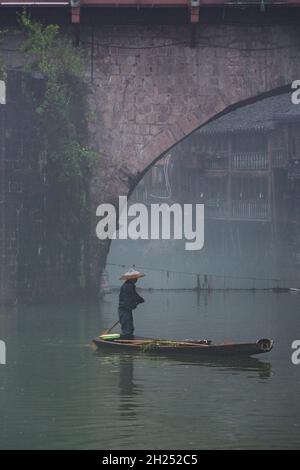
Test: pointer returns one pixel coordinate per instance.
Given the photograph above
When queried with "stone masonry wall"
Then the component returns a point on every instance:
(149, 89)
(11, 189)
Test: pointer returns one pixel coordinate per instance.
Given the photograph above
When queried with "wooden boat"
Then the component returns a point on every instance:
(199, 348)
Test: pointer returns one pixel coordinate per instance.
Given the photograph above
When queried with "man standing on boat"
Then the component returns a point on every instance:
(129, 299)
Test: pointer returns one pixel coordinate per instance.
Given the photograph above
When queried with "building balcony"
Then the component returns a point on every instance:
(249, 161)
(279, 158)
(216, 163)
(216, 209)
(240, 210)
(250, 210)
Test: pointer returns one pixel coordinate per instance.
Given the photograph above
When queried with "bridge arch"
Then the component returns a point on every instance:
(261, 214)
(166, 140)
(151, 90)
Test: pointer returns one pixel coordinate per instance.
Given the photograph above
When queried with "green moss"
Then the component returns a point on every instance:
(61, 129)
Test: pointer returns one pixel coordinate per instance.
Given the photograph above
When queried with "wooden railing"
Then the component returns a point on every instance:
(216, 209)
(216, 163)
(279, 158)
(240, 210)
(251, 210)
(249, 161)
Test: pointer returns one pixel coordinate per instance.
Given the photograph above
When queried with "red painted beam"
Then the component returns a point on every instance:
(183, 3)
(194, 15)
(144, 3)
(137, 3)
(75, 15)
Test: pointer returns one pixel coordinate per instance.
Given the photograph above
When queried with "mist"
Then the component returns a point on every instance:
(244, 168)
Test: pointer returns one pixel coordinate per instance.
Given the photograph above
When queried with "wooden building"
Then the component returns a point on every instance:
(245, 167)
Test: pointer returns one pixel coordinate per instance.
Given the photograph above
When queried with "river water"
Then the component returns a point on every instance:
(56, 393)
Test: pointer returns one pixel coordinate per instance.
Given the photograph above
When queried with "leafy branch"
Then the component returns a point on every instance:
(61, 122)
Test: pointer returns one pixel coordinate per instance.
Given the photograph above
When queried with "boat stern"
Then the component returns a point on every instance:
(265, 345)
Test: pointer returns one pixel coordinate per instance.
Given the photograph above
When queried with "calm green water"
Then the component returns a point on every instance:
(55, 393)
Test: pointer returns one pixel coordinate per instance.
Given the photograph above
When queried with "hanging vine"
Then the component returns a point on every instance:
(60, 124)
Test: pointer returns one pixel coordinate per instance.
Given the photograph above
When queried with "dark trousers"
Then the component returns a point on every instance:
(126, 321)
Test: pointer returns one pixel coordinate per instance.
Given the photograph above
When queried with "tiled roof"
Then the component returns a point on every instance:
(260, 116)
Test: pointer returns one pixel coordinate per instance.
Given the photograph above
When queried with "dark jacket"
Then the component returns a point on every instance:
(129, 298)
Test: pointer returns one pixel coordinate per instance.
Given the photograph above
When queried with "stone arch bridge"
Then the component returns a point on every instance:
(149, 88)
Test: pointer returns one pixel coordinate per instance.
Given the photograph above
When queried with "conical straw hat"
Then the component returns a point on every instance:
(132, 274)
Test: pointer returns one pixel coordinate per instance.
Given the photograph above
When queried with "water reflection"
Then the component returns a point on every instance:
(203, 296)
(126, 365)
(56, 393)
(128, 389)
